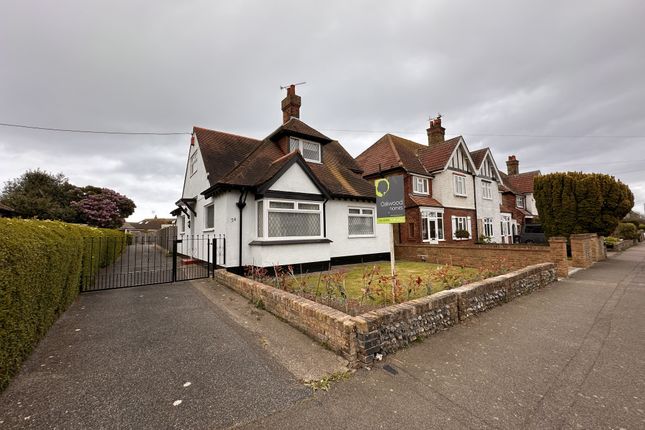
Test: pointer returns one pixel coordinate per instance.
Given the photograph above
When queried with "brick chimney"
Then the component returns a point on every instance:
(291, 104)
(436, 133)
(512, 165)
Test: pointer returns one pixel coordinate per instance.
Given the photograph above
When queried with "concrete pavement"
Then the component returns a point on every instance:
(566, 357)
(160, 356)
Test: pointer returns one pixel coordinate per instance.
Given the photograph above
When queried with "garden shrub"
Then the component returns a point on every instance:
(40, 269)
(611, 241)
(627, 230)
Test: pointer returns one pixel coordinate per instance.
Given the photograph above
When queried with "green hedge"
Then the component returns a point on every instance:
(41, 263)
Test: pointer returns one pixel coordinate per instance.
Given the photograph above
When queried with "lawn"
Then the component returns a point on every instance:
(359, 288)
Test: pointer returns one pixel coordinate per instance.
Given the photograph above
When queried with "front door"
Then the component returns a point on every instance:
(432, 227)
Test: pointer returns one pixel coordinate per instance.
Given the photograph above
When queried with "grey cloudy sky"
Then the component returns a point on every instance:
(500, 72)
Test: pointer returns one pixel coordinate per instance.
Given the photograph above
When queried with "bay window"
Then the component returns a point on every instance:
(288, 219)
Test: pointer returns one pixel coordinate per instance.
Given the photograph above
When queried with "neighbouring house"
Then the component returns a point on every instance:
(7, 212)
(518, 199)
(492, 224)
(439, 184)
(295, 197)
(148, 225)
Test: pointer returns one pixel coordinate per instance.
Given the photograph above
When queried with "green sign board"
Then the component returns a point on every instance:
(390, 208)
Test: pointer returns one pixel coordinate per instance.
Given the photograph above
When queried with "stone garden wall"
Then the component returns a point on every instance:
(391, 328)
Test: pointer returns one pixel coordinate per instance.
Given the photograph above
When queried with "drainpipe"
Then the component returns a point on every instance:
(325, 218)
(241, 203)
(475, 200)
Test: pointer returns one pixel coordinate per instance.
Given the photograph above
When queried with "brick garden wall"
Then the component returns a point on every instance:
(324, 324)
(388, 329)
(517, 256)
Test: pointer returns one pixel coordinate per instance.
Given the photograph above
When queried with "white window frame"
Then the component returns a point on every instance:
(364, 212)
(301, 143)
(466, 220)
(433, 215)
(208, 219)
(420, 185)
(458, 180)
(193, 163)
(487, 224)
(505, 224)
(265, 218)
(520, 201)
(487, 190)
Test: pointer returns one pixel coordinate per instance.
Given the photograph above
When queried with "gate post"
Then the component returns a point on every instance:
(214, 255)
(174, 260)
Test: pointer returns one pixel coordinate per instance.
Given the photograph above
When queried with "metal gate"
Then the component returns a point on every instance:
(148, 259)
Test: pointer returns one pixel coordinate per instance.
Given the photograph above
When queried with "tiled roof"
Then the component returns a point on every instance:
(416, 200)
(435, 157)
(522, 183)
(337, 173)
(390, 152)
(478, 156)
(151, 223)
(222, 151)
(296, 127)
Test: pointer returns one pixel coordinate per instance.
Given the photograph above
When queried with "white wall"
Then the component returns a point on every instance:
(295, 180)
(196, 183)
(442, 190)
(338, 231)
(489, 208)
(530, 204)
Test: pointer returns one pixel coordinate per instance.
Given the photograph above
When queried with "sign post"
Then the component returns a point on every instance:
(390, 209)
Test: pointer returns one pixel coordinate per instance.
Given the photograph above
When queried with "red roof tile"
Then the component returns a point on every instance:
(436, 157)
(338, 173)
(222, 152)
(416, 200)
(522, 183)
(391, 152)
(478, 156)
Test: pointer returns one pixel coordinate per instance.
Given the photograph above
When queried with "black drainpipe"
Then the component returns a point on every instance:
(325, 218)
(241, 203)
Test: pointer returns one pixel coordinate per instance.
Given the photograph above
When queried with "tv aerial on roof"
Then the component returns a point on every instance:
(287, 86)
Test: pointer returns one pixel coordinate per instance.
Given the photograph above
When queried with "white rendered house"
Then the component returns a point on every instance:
(294, 198)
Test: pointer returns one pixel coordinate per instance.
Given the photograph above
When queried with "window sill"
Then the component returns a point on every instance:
(272, 242)
(416, 193)
(208, 230)
(361, 236)
(461, 195)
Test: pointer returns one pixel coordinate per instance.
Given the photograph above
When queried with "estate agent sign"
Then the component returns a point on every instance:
(389, 200)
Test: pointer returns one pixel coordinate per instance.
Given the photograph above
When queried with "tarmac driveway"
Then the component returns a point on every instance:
(160, 356)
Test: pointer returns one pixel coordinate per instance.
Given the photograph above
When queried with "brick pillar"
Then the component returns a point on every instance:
(593, 247)
(558, 248)
(602, 248)
(581, 250)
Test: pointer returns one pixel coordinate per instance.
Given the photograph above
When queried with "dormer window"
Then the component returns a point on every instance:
(310, 150)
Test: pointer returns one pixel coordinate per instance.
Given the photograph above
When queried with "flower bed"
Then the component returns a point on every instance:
(356, 289)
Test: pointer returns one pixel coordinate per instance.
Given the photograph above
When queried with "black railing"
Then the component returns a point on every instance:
(147, 260)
